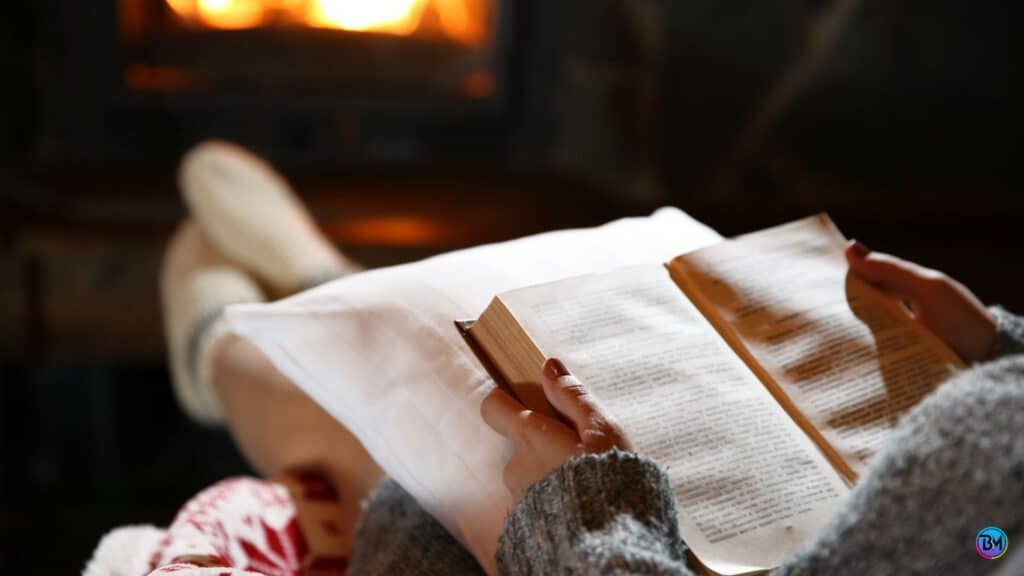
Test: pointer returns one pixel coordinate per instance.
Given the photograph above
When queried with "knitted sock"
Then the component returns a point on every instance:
(252, 216)
(196, 284)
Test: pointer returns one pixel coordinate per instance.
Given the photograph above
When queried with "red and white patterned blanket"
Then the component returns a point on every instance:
(292, 526)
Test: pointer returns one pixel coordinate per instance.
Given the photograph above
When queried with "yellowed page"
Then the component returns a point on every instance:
(751, 487)
(849, 358)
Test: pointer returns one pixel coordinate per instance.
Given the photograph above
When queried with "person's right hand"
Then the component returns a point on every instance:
(541, 443)
(943, 305)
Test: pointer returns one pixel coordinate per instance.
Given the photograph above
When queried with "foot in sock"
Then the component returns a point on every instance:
(252, 216)
(196, 284)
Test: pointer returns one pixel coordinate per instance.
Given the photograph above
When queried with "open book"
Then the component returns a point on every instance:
(759, 372)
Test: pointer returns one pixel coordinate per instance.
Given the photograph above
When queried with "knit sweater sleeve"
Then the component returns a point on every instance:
(1009, 333)
(610, 513)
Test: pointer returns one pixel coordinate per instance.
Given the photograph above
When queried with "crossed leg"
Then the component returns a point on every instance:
(278, 428)
(249, 239)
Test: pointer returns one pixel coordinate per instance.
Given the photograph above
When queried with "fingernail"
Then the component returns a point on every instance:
(859, 248)
(554, 369)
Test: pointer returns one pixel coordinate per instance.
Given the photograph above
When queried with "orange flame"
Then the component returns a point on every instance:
(460, 20)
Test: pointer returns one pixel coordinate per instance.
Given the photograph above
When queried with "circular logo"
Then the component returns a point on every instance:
(991, 542)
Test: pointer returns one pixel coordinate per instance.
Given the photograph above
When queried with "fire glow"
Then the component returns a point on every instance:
(463, 21)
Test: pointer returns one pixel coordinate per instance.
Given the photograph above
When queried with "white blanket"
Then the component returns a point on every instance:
(379, 351)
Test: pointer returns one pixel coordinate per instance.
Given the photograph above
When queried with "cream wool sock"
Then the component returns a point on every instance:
(252, 216)
(196, 283)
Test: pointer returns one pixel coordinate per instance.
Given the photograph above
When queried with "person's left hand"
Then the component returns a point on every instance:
(940, 303)
(540, 443)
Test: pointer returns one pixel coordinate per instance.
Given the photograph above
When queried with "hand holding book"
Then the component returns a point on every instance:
(943, 305)
(541, 443)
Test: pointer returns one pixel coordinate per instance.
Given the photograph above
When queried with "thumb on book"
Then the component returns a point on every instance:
(895, 276)
(574, 401)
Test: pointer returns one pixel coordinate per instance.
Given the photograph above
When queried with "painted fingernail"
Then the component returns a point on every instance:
(554, 369)
(859, 248)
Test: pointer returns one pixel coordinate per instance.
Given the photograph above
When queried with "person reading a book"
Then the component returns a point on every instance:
(589, 506)
(543, 443)
(589, 498)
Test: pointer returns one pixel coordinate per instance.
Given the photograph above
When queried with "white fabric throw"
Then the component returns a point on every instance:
(378, 350)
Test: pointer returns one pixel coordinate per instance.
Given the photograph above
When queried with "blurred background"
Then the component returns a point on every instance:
(418, 126)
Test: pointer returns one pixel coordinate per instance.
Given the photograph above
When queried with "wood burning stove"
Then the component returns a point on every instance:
(310, 83)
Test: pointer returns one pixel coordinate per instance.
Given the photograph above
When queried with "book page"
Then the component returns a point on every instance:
(751, 487)
(850, 359)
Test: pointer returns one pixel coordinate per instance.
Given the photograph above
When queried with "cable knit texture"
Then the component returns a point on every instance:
(954, 466)
(396, 537)
(611, 513)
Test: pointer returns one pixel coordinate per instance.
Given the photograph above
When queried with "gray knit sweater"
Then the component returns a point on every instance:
(954, 466)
